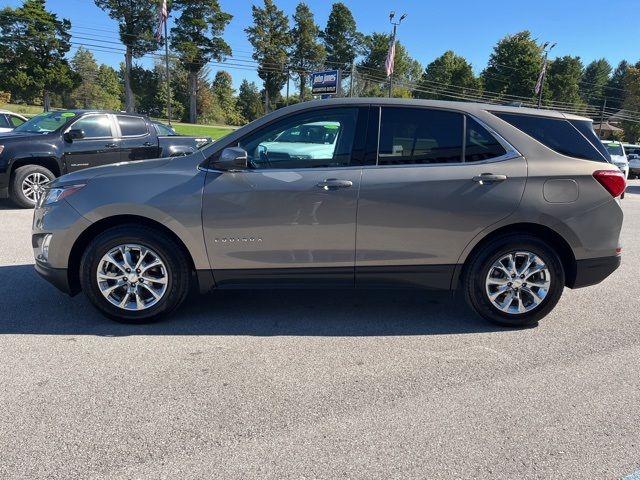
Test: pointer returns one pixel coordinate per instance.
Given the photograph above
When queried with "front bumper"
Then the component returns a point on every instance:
(58, 277)
(594, 270)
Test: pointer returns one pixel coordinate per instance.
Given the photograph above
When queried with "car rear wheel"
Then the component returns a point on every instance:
(134, 274)
(514, 280)
(28, 184)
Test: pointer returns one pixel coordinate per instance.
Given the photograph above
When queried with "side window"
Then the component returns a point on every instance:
(555, 133)
(15, 121)
(322, 138)
(132, 126)
(3, 121)
(419, 136)
(94, 126)
(480, 144)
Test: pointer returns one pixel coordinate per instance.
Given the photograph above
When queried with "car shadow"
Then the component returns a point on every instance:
(30, 305)
(633, 189)
(6, 204)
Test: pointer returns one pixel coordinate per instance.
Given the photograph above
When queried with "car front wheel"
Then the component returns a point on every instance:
(514, 280)
(134, 274)
(28, 184)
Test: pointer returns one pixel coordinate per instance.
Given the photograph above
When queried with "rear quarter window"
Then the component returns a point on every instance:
(555, 133)
(132, 126)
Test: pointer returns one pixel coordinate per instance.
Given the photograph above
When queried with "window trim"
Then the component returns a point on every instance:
(511, 151)
(362, 115)
(117, 124)
(111, 126)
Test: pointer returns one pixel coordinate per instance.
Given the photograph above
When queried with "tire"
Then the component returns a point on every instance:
(19, 179)
(477, 281)
(174, 272)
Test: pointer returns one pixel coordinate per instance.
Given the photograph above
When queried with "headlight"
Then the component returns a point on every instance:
(55, 194)
(1, 148)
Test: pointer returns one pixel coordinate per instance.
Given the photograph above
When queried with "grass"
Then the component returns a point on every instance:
(215, 132)
(26, 110)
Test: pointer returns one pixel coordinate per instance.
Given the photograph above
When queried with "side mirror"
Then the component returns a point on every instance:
(231, 158)
(74, 134)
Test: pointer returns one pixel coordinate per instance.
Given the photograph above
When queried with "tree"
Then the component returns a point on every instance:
(269, 35)
(514, 66)
(632, 103)
(616, 86)
(595, 79)
(341, 38)
(85, 66)
(376, 47)
(307, 54)
(136, 23)
(249, 102)
(449, 71)
(197, 37)
(222, 88)
(564, 77)
(34, 43)
(109, 89)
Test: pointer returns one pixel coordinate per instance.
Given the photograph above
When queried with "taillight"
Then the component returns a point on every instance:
(612, 180)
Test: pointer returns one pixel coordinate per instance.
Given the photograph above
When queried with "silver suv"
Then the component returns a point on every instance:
(508, 204)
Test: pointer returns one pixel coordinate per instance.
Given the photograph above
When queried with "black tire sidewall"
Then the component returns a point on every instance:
(475, 277)
(171, 255)
(16, 183)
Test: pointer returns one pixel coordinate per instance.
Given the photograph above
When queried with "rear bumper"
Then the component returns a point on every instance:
(594, 270)
(56, 276)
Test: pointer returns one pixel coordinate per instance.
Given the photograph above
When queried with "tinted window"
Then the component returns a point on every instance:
(15, 121)
(94, 126)
(132, 126)
(557, 134)
(164, 130)
(323, 138)
(480, 144)
(3, 122)
(586, 128)
(615, 149)
(419, 136)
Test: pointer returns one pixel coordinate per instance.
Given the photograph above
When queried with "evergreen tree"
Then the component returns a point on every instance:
(197, 37)
(307, 54)
(85, 66)
(249, 101)
(449, 71)
(341, 39)
(595, 79)
(564, 77)
(269, 35)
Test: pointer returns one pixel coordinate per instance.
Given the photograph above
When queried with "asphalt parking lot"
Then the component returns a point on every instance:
(317, 384)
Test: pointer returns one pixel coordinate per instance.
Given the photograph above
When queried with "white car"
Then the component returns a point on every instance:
(618, 156)
(313, 141)
(10, 120)
(634, 165)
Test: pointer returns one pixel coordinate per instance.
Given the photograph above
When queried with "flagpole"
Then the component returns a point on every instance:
(393, 41)
(166, 61)
(389, 64)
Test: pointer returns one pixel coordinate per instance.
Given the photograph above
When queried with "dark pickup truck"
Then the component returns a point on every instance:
(52, 144)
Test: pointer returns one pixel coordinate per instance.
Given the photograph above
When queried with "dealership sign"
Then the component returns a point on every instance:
(325, 83)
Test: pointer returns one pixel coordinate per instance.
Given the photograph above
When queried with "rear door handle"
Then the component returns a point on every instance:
(484, 178)
(111, 145)
(334, 184)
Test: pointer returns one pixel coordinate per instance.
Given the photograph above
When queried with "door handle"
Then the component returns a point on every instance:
(111, 145)
(334, 184)
(487, 178)
(148, 144)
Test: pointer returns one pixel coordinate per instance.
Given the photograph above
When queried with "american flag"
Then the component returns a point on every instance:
(389, 62)
(163, 19)
(542, 72)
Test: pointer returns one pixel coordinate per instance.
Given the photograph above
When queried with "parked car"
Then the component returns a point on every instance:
(634, 165)
(10, 120)
(315, 140)
(618, 156)
(55, 143)
(442, 195)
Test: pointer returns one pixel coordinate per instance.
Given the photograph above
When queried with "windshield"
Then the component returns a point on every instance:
(46, 122)
(615, 149)
(310, 133)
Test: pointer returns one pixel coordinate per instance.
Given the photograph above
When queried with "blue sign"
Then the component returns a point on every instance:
(325, 83)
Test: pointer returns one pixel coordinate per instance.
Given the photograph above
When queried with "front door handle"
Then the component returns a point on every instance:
(149, 144)
(334, 184)
(111, 145)
(487, 178)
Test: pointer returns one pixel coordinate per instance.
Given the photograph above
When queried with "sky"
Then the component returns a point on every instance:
(589, 29)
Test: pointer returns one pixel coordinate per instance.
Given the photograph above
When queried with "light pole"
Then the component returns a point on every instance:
(392, 50)
(543, 73)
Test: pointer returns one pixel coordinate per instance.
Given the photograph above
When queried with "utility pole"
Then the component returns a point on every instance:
(392, 49)
(543, 73)
(166, 62)
(604, 106)
(288, 78)
(353, 71)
